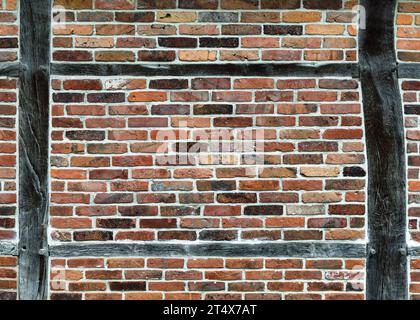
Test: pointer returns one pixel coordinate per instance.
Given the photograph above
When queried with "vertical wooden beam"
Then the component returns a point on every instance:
(387, 260)
(35, 16)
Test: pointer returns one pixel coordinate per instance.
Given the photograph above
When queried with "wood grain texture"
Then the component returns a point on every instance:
(269, 249)
(260, 69)
(33, 147)
(387, 260)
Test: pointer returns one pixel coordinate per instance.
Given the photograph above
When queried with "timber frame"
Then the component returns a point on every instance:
(387, 252)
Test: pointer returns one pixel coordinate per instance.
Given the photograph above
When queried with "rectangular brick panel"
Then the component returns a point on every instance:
(8, 155)
(214, 159)
(212, 279)
(408, 31)
(8, 278)
(197, 31)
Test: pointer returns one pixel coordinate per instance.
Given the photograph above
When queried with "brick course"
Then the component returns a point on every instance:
(197, 31)
(212, 279)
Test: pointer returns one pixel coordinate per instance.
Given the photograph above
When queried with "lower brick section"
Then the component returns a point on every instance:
(8, 278)
(415, 279)
(214, 278)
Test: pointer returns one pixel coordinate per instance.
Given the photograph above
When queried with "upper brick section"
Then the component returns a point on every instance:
(8, 152)
(212, 159)
(408, 31)
(8, 31)
(204, 31)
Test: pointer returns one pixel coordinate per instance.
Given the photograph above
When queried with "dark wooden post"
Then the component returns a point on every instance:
(35, 24)
(387, 253)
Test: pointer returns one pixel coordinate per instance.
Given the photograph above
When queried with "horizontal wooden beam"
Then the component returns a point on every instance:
(11, 69)
(409, 70)
(227, 69)
(8, 248)
(267, 249)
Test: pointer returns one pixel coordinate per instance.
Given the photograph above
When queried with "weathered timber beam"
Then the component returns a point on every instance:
(10, 69)
(8, 248)
(409, 70)
(260, 69)
(35, 27)
(235, 249)
(387, 260)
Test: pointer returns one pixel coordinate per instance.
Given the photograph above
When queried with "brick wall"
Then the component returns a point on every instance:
(131, 159)
(214, 30)
(8, 31)
(137, 159)
(8, 150)
(8, 278)
(212, 279)
(408, 31)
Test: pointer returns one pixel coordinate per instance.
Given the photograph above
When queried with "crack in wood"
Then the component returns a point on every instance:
(33, 147)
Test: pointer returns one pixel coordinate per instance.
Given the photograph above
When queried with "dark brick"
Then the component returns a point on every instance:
(92, 235)
(171, 109)
(128, 286)
(168, 84)
(283, 30)
(138, 211)
(180, 42)
(107, 198)
(218, 17)
(177, 235)
(68, 97)
(323, 4)
(205, 109)
(198, 4)
(218, 235)
(116, 223)
(263, 210)
(85, 135)
(135, 16)
(280, 4)
(8, 43)
(106, 97)
(209, 42)
(237, 198)
(63, 296)
(412, 109)
(354, 172)
(72, 55)
(157, 55)
(218, 185)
